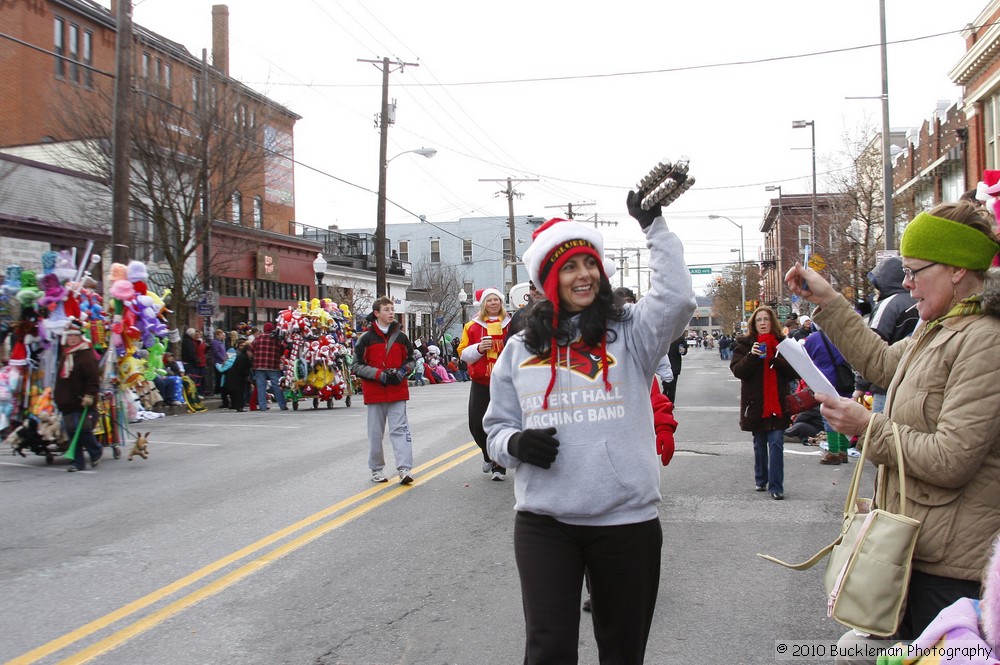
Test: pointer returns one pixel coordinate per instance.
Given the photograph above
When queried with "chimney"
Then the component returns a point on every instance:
(220, 38)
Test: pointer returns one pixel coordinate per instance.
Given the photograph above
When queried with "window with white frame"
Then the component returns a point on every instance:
(146, 61)
(435, 251)
(258, 212)
(88, 58)
(466, 250)
(74, 52)
(991, 108)
(404, 250)
(59, 46)
(167, 75)
(236, 201)
(804, 238)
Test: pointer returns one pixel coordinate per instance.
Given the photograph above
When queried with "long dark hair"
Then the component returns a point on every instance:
(593, 323)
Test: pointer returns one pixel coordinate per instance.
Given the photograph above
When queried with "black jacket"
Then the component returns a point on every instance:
(894, 316)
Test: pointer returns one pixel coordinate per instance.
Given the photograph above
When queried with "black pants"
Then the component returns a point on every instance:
(670, 390)
(479, 399)
(87, 440)
(623, 565)
(929, 594)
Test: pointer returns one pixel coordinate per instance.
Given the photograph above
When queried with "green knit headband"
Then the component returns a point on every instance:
(944, 241)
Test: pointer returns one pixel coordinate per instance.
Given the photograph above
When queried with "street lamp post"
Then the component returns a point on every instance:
(799, 124)
(463, 299)
(380, 271)
(319, 267)
(743, 268)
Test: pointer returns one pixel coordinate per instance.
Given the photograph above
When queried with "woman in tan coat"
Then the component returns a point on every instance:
(943, 393)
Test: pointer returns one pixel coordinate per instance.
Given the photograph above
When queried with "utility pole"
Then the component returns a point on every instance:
(206, 215)
(510, 194)
(600, 222)
(569, 208)
(890, 223)
(120, 139)
(383, 120)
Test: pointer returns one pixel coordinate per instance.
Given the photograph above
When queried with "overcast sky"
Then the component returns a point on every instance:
(584, 96)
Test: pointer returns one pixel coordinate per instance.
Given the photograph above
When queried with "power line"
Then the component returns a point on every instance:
(688, 68)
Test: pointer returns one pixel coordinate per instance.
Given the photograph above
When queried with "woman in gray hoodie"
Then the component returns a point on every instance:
(570, 411)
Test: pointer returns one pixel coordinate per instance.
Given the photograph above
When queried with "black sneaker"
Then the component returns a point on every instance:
(587, 605)
(777, 496)
(760, 488)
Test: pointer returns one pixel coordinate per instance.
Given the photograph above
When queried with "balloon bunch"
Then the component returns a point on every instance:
(138, 324)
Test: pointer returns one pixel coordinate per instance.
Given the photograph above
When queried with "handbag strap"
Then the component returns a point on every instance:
(829, 350)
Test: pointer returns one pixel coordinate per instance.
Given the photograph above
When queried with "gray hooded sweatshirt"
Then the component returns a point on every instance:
(607, 470)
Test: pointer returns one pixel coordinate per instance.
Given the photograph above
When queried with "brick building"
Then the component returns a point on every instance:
(66, 59)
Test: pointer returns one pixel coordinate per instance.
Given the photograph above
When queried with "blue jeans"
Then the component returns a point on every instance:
(878, 402)
(769, 460)
(261, 377)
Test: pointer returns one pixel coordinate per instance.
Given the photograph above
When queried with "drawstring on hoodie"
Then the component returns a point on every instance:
(554, 362)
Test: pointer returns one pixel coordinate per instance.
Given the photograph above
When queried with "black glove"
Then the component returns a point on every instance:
(644, 217)
(395, 377)
(383, 378)
(535, 446)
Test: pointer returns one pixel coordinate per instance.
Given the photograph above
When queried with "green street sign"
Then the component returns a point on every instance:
(700, 271)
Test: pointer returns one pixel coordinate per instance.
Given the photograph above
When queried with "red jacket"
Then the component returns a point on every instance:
(481, 365)
(372, 357)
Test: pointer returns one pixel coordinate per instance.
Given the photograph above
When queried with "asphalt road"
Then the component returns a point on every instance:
(259, 538)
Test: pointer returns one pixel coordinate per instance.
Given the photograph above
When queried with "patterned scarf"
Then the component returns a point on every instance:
(68, 353)
(772, 404)
(966, 307)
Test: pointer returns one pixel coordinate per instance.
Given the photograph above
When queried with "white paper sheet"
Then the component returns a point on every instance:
(803, 364)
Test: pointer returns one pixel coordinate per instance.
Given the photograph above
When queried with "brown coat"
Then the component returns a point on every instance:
(749, 369)
(944, 394)
(85, 379)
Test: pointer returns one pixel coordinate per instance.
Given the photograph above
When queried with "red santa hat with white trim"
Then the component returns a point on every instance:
(482, 294)
(553, 243)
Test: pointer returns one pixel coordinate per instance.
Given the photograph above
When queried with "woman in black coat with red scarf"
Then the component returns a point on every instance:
(764, 378)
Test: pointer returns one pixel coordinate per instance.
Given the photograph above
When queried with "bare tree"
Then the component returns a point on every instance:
(187, 149)
(856, 176)
(727, 294)
(441, 283)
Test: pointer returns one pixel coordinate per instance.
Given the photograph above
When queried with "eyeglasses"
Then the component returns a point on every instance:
(912, 274)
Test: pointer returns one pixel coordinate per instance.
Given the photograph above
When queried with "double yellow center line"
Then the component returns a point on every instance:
(363, 502)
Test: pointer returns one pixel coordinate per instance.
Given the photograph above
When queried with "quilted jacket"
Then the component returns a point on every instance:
(944, 394)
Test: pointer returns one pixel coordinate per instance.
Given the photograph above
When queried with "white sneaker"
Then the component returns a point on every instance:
(854, 452)
(405, 477)
(499, 476)
(487, 467)
(379, 477)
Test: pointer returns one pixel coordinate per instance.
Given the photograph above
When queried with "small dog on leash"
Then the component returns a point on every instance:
(141, 447)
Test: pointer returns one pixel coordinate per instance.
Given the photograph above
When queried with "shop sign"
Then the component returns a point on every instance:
(24, 253)
(267, 266)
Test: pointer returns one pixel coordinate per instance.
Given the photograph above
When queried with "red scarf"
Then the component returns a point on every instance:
(772, 404)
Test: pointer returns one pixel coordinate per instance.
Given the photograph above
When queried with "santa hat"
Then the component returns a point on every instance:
(482, 294)
(18, 355)
(553, 243)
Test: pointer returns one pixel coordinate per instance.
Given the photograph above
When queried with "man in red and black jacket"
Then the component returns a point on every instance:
(383, 358)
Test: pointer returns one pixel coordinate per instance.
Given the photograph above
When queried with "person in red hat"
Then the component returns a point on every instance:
(482, 341)
(570, 410)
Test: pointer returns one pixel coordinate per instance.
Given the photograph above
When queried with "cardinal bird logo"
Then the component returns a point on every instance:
(582, 360)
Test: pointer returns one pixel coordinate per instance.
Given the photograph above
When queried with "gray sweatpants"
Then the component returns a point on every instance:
(399, 435)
